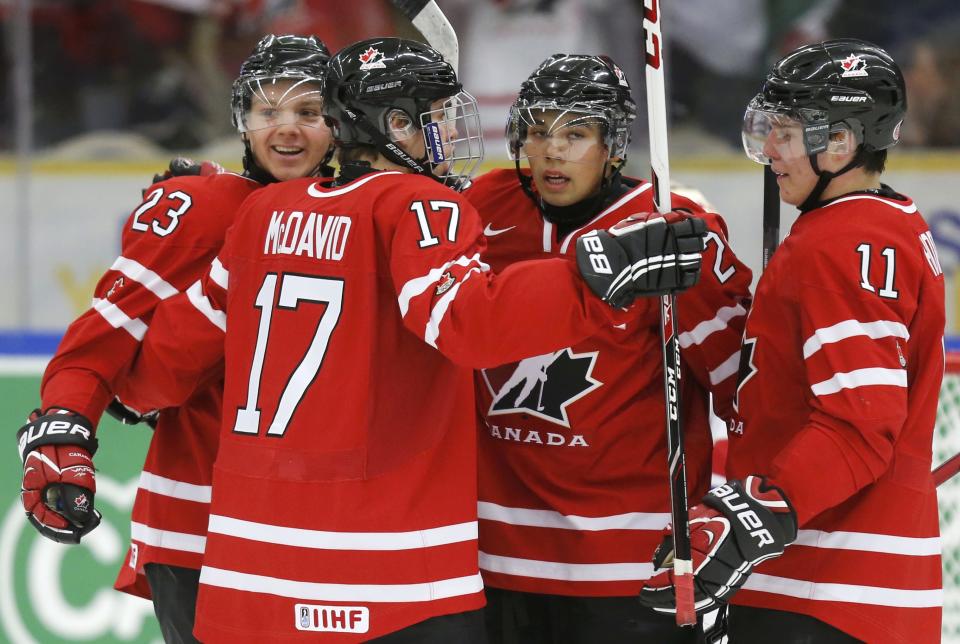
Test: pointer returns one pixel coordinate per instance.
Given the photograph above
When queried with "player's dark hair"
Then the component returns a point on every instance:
(356, 153)
(875, 161)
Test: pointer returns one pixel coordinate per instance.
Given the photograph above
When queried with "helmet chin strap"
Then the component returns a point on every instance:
(824, 177)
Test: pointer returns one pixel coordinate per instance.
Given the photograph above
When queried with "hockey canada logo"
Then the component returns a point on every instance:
(747, 368)
(81, 503)
(621, 77)
(118, 284)
(446, 281)
(542, 386)
(372, 59)
(853, 66)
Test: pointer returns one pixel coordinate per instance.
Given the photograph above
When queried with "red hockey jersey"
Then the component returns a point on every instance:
(344, 493)
(573, 482)
(839, 378)
(167, 244)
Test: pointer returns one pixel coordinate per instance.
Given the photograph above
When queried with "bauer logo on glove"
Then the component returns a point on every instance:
(644, 255)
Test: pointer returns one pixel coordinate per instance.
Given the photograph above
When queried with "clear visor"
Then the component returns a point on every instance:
(453, 139)
(564, 134)
(280, 100)
(770, 133)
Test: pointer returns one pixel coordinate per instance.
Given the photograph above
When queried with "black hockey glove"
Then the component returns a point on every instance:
(646, 254)
(129, 415)
(738, 525)
(183, 166)
(59, 481)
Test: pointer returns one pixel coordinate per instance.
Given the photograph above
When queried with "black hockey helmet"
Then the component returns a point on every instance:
(844, 83)
(371, 80)
(593, 86)
(299, 60)
(839, 96)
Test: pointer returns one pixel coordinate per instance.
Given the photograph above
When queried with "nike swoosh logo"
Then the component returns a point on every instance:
(490, 231)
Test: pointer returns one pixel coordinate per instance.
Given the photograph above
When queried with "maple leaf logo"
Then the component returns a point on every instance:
(853, 65)
(542, 386)
(369, 55)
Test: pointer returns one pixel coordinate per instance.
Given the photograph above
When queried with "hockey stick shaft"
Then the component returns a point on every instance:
(771, 214)
(433, 25)
(946, 470)
(660, 175)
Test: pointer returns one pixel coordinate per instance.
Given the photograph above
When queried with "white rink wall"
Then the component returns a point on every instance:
(77, 209)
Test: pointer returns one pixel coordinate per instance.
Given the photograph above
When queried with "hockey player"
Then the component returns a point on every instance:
(830, 449)
(573, 482)
(167, 244)
(349, 316)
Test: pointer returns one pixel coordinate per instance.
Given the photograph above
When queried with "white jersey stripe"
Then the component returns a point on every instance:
(869, 542)
(432, 332)
(851, 329)
(910, 209)
(727, 368)
(565, 571)
(219, 274)
(202, 303)
(699, 333)
(849, 593)
(418, 285)
(143, 275)
(860, 378)
(326, 540)
(120, 320)
(316, 190)
(175, 489)
(550, 519)
(168, 539)
(361, 593)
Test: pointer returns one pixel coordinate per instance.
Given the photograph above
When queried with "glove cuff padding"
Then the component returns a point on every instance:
(760, 516)
(130, 416)
(56, 429)
(599, 257)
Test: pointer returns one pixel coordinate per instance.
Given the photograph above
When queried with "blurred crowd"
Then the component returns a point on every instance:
(162, 69)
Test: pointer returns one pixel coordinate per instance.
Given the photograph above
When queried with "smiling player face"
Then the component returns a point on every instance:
(286, 130)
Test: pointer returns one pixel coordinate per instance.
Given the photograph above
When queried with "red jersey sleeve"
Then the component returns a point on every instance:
(449, 297)
(857, 299)
(711, 317)
(166, 244)
(184, 346)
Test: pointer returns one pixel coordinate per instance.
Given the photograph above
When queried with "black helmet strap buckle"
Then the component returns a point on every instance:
(824, 177)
